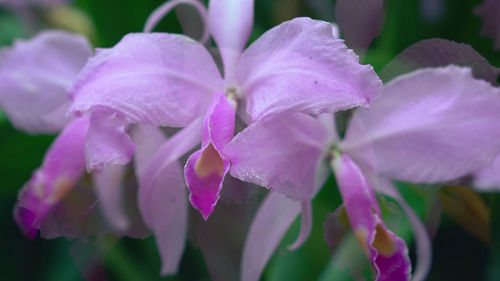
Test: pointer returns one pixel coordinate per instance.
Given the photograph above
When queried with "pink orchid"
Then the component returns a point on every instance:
(34, 76)
(33, 96)
(62, 167)
(429, 126)
(171, 80)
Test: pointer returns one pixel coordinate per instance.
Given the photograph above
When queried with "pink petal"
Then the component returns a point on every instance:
(274, 217)
(303, 59)
(34, 76)
(440, 52)
(488, 12)
(488, 178)
(149, 156)
(108, 142)
(431, 125)
(156, 79)
(188, 27)
(387, 252)
(305, 225)
(360, 21)
(62, 167)
(328, 121)
(206, 168)
(162, 197)
(108, 184)
(290, 149)
(230, 24)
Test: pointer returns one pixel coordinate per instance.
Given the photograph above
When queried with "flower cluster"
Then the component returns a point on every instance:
(160, 106)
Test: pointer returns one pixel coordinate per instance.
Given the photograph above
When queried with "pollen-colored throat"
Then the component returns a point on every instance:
(383, 241)
(209, 163)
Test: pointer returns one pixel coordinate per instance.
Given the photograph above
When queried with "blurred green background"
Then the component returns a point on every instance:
(458, 254)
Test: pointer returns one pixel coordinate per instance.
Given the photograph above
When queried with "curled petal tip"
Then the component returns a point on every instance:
(202, 205)
(305, 227)
(25, 219)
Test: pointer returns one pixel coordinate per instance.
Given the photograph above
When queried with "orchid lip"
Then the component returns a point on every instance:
(205, 169)
(210, 162)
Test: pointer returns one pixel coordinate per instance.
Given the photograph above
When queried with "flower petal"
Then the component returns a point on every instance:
(206, 168)
(302, 59)
(156, 79)
(488, 178)
(488, 12)
(360, 21)
(273, 219)
(62, 167)
(387, 252)
(162, 197)
(163, 201)
(431, 125)
(108, 143)
(150, 159)
(108, 185)
(230, 24)
(289, 149)
(34, 76)
(305, 225)
(440, 52)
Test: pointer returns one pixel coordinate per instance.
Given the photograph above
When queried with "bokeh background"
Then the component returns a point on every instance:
(466, 226)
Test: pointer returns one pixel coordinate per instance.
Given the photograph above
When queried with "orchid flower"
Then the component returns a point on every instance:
(165, 79)
(32, 93)
(488, 12)
(34, 76)
(429, 126)
(62, 167)
(423, 54)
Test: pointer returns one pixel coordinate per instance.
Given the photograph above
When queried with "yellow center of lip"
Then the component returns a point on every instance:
(361, 234)
(61, 188)
(209, 163)
(383, 242)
